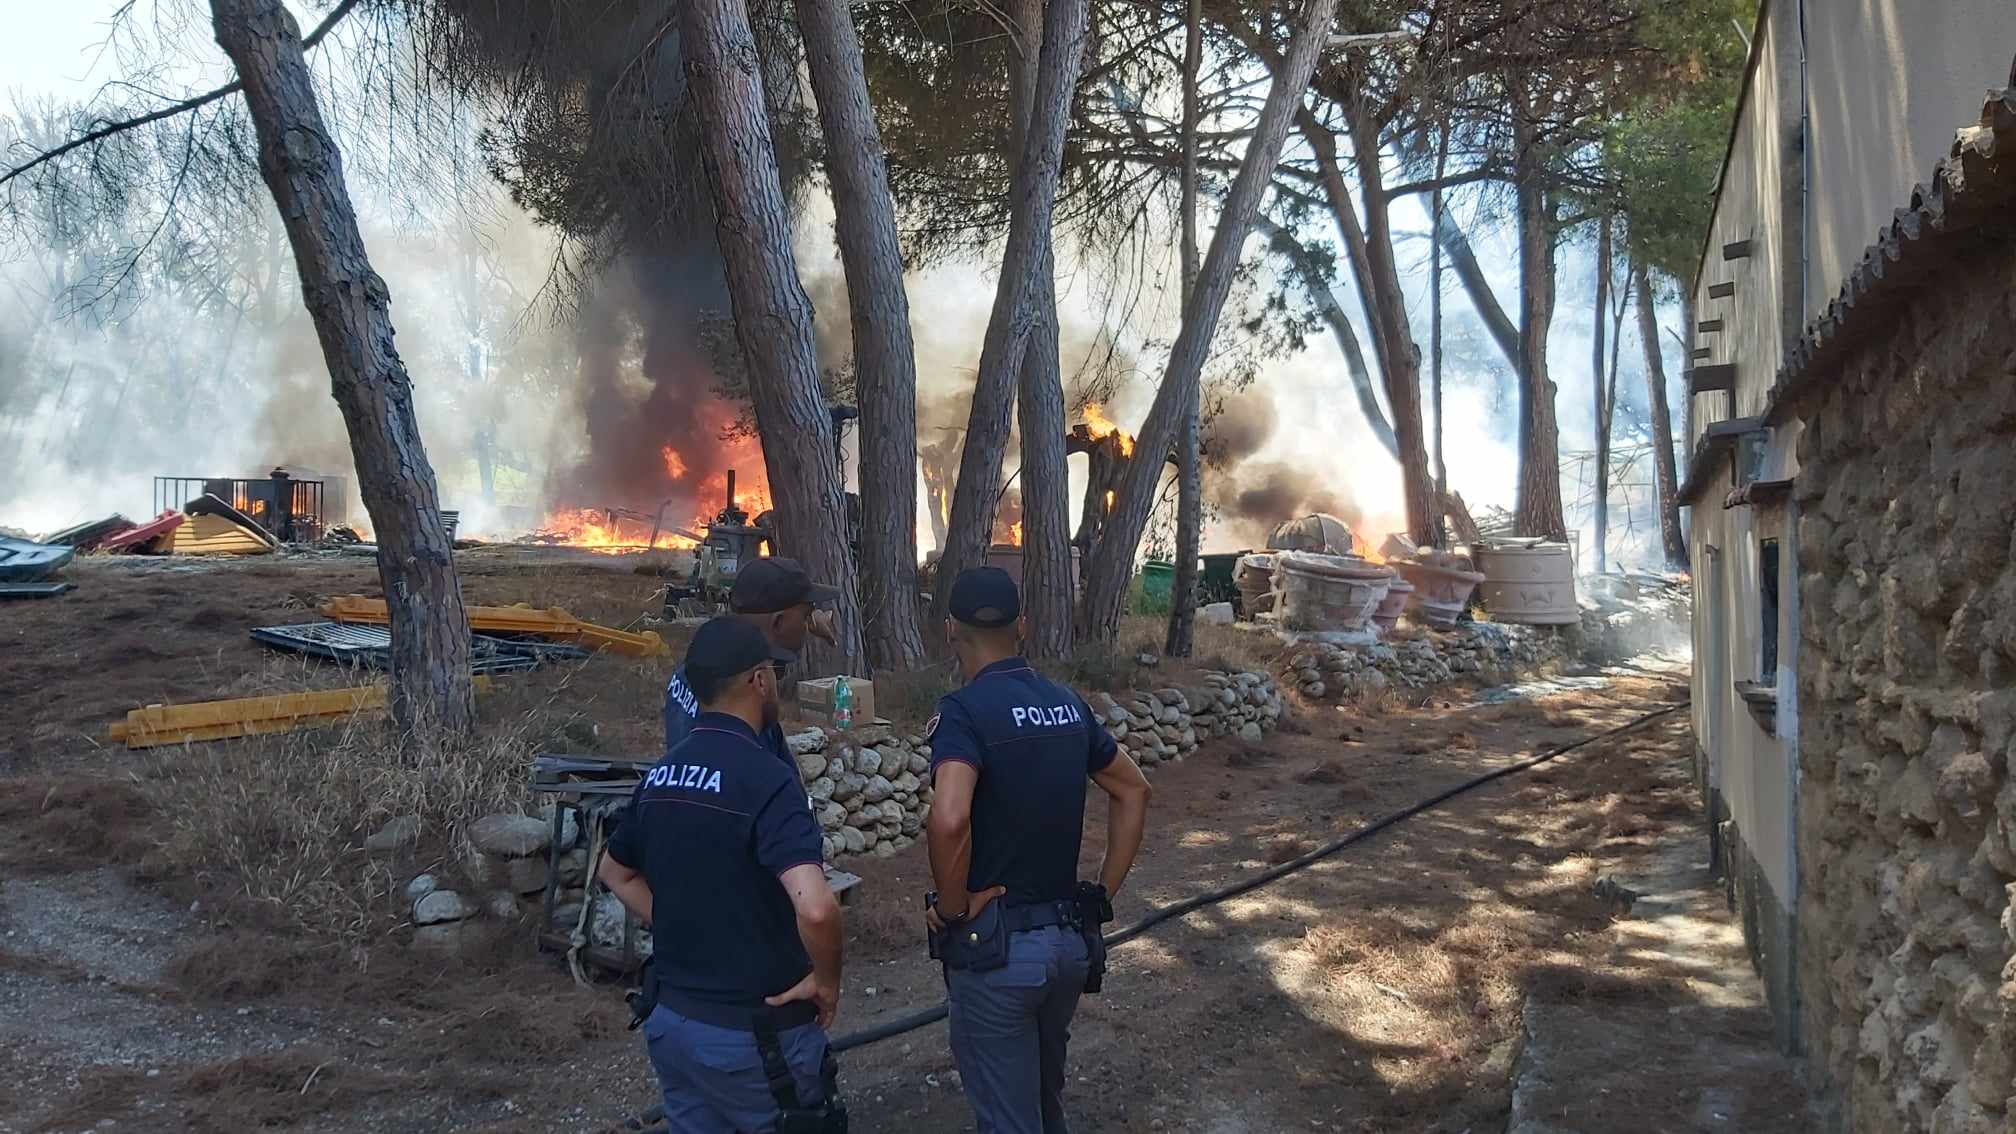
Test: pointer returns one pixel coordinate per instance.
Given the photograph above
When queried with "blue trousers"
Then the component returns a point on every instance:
(1010, 1027)
(713, 1079)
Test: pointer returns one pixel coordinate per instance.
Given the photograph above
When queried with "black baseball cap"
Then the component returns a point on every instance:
(985, 597)
(769, 585)
(726, 648)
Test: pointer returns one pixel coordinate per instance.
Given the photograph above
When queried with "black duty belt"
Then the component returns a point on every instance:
(749, 1017)
(1038, 915)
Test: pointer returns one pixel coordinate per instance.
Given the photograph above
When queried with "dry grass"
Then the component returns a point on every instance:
(279, 821)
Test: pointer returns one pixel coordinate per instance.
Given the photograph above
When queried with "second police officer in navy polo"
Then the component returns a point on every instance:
(720, 855)
(1017, 932)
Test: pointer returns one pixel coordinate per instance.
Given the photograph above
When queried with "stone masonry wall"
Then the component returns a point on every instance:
(1421, 658)
(1907, 708)
(870, 793)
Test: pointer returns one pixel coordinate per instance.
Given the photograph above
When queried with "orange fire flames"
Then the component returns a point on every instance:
(1101, 425)
(1370, 532)
(595, 529)
(1015, 534)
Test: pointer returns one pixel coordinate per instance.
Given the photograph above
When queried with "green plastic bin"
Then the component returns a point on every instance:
(1158, 578)
(1216, 583)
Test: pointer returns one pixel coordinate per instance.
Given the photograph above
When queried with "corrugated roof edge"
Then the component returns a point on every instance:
(1969, 189)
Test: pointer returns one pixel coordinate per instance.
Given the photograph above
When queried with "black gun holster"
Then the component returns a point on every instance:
(644, 998)
(829, 1117)
(1095, 909)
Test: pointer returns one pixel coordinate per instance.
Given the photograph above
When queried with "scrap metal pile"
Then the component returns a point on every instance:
(504, 640)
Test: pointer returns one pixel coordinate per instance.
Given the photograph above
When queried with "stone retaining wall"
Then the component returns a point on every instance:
(1325, 671)
(869, 794)
(1169, 723)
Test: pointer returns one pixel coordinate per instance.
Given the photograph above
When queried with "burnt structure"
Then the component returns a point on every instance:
(290, 509)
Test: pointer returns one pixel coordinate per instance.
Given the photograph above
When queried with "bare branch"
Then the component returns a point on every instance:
(186, 105)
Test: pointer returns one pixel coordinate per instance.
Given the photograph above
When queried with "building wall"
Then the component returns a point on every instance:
(1749, 771)
(1888, 82)
(1907, 703)
(1759, 182)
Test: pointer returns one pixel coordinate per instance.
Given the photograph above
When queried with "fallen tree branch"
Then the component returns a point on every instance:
(108, 129)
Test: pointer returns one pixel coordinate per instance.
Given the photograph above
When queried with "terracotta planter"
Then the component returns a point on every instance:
(1327, 592)
(1398, 595)
(1530, 583)
(1255, 579)
(1440, 589)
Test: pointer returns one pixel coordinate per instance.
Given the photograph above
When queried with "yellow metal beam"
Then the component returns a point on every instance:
(552, 623)
(248, 716)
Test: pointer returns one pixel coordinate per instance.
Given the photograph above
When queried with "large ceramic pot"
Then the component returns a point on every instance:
(1327, 592)
(1442, 584)
(1387, 614)
(1529, 582)
(1255, 580)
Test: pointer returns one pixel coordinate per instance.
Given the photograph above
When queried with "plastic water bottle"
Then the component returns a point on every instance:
(843, 704)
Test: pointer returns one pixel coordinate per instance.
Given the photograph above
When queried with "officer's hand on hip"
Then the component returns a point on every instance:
(974, 904)
(827, 999)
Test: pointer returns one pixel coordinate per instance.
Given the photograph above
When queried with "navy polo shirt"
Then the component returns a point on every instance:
(682, 708)
(1035, 743)
(711, 828)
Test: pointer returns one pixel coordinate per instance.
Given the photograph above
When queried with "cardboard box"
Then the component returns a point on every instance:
(815, 700)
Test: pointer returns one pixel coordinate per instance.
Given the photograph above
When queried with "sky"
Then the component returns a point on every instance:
(62, 49)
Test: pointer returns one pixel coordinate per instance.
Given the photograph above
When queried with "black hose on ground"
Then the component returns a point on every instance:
(915, 1020)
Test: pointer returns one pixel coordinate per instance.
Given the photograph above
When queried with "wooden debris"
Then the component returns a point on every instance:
(248, 716)
(550, 623)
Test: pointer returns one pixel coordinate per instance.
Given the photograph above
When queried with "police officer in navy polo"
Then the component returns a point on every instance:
(721, 856)
(1017, 931)
(779, 599)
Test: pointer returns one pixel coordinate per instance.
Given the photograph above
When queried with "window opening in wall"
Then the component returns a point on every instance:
(1749, 459)
(1767, 609)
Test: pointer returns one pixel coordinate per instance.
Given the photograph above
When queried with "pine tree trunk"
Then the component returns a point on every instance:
(1539, 508)
(1048, 596)
(1033, 193)
(1662, 422)
(1436, 215)
(1601, 519)
(1189, 482)
(1403, 370)
(1049, 599)
(1371, 252)
(773, 317)
(432, 695)
(1112, 564)
(885, 356)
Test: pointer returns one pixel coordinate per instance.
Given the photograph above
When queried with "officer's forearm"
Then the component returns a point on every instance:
(1126, 820)
(628, 885)
(822, 937)
(951, 845)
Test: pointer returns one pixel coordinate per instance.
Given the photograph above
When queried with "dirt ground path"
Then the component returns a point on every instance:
(1381, 990)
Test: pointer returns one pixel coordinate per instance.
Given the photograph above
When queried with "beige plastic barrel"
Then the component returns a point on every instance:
(1533, 584)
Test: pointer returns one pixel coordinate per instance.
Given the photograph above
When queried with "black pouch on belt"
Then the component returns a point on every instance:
(977, 944)
(1094, 910)
(644, 998)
